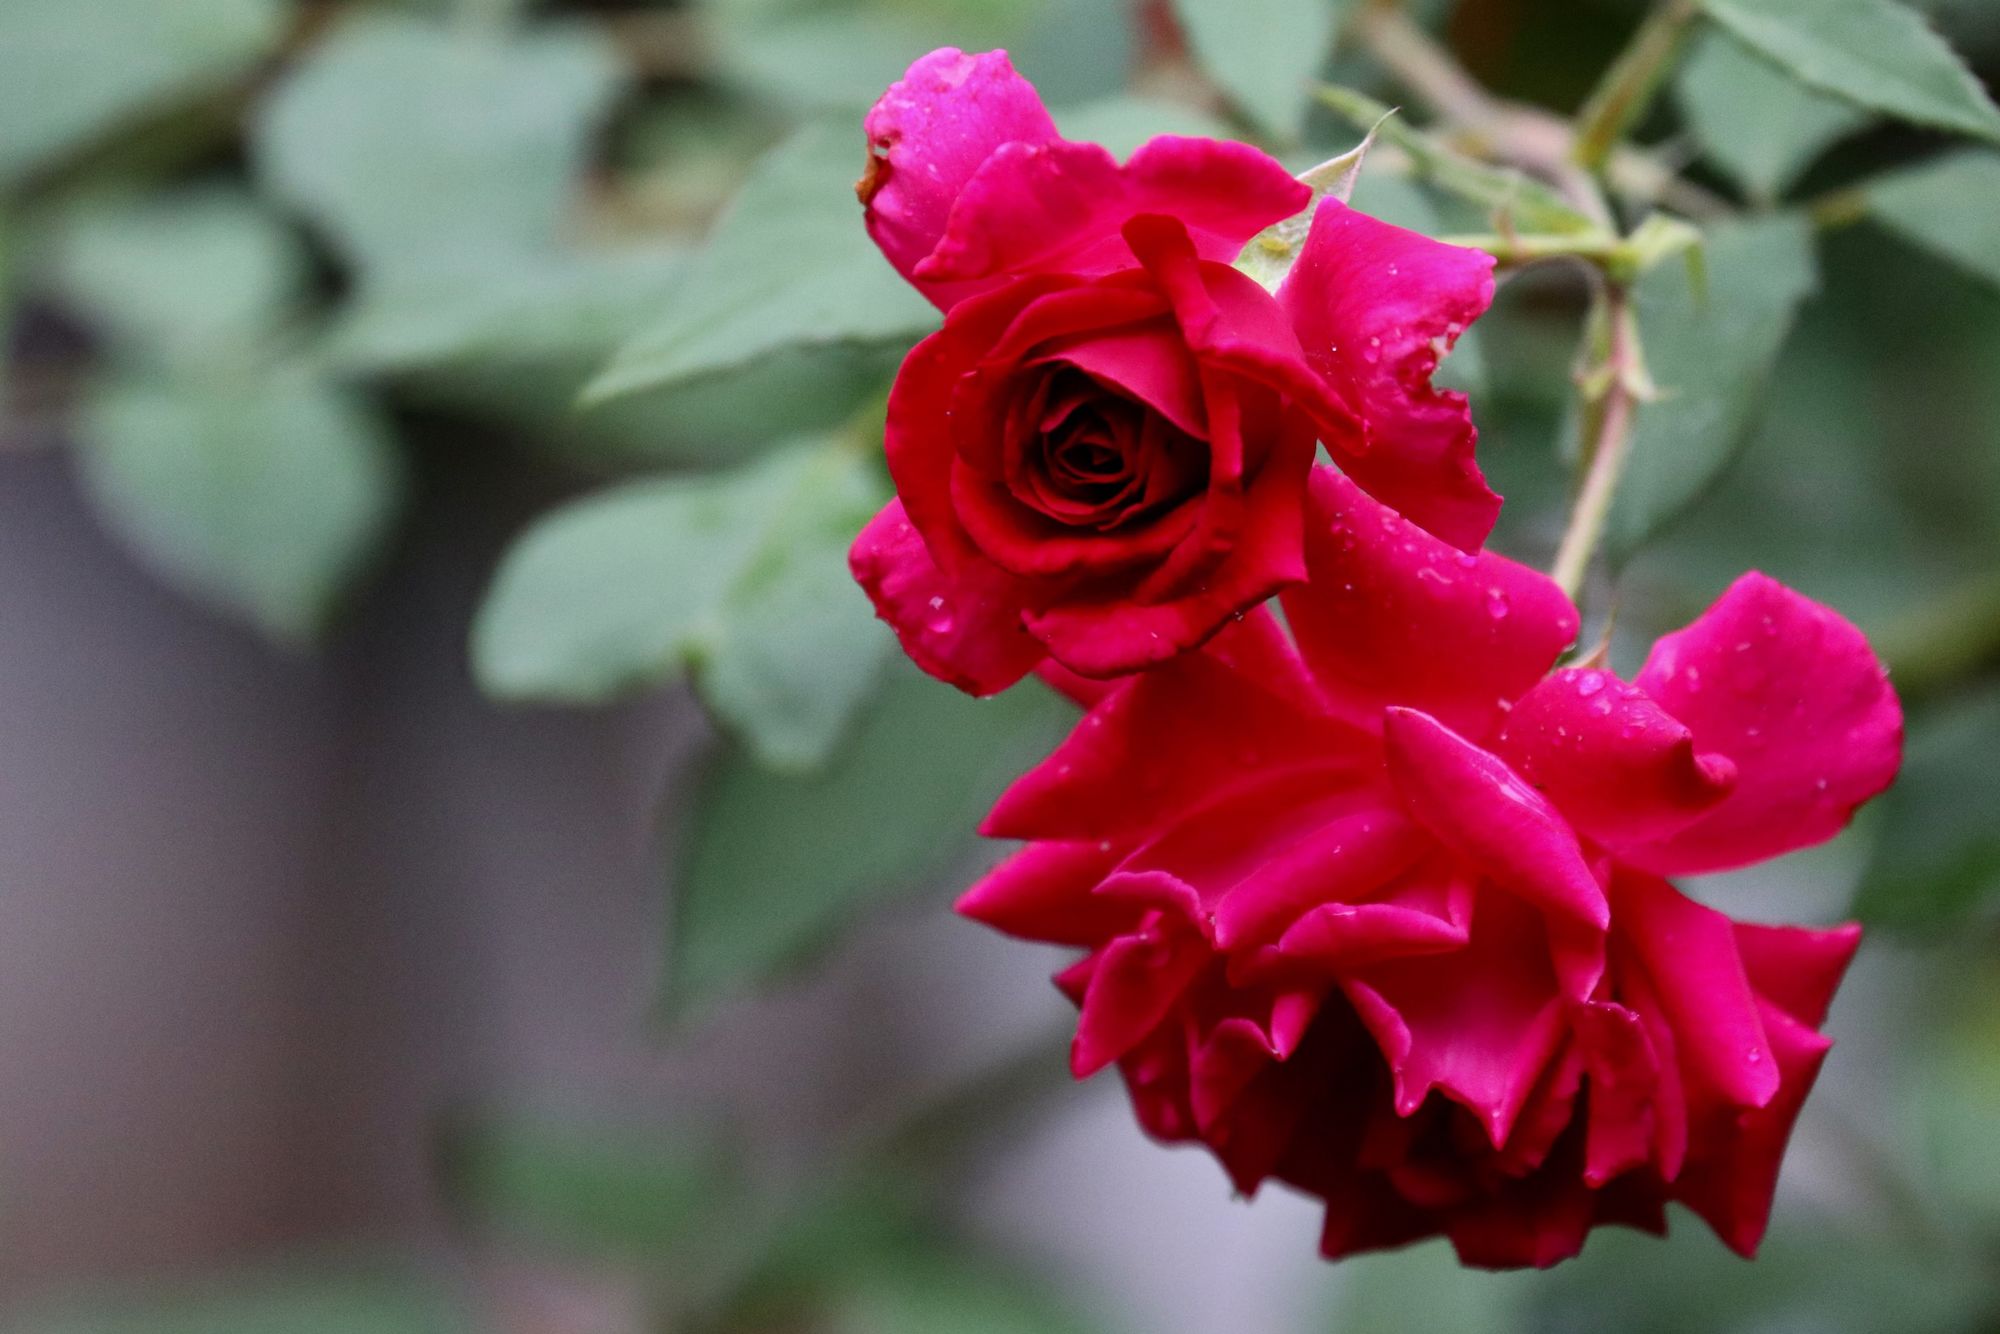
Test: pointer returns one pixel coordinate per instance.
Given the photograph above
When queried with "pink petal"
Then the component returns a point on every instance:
(1137, 980)
(1478, 1023)
(1691, 962)
(1342, 862)
(1613, 762)
(965, 630)
(1797, 969)
(1059, 206)
(1478, 806)
(1729, 1181)
(1392, 616)
(927, 136)
(1624, 1088)
(1083, 691)
(1373, 305)
(1793, 694)
(1340, 936)
(1165, 743)
(1044, 892)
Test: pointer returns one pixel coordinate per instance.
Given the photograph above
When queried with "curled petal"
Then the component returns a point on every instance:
(1613, 762)
(927, 136)
(1044, 892)
(1796, 968)
(1730, 1181)
(1791, 693)
(1478, 1023)
(1163, 744)
(1375, 307)
(1423, 913)
(1475, 804)
(1137, 980)
(963, 629)
(1696, 973)
(1059, 205)
(1390, 615)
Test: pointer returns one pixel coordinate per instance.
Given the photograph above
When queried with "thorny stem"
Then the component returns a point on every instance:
(1612, 395)
(1628, 87)
(1525, 136)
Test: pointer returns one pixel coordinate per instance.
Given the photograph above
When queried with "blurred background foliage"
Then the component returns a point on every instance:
(262, 261)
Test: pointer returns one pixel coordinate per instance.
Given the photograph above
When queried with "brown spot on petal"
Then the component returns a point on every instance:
(875, 175)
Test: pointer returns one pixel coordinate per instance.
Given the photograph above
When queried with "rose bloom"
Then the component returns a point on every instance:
(1377, 908)
(1103, 453)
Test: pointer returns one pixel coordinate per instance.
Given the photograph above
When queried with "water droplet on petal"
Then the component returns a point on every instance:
(1498, 604)
(1588, 684)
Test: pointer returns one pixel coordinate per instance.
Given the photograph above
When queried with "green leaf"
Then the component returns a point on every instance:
(265, 495)
(586, 1190)
(1263, 54)
(1121, 124)
(71, 73)
(517, 344)
(1754, 122)
(1936, 858)
(1873, 53)
(770, 867)
(741, 577)
(1512, 199)
(1269, 255)
(842, 55)
(300, 1301)
(416, 147)
(788, 266)
(1949, 206)
(181, 277)
(1710, 354)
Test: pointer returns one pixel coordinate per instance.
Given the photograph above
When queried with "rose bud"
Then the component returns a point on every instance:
(1102, 456)
(1374, 906)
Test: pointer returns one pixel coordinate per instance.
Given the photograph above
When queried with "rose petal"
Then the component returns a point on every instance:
(1796, 968)
(1478, 806)
(965, 630)
(1060, 206)
(1425, 912)
(1044, 892)
(1390, 615)
(1477, 1023)
(927, 136)
(1613, 762)
(1168, 741)
(1624, 1088)
(1730, 1181)
(1692, 965)
(1137, 980)
(1334, 868)
(1792, 694)
(1375, 307)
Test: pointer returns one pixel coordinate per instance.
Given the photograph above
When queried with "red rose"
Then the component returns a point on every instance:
(1376, 908)
(1103, 453)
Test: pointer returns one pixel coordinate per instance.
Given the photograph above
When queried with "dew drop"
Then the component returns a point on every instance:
(1498, 604)
(1588, 684)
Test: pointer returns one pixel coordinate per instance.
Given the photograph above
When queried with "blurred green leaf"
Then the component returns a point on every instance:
(1755, 123)
(1424, 1290)
(1936, 857)
(843, 54)
(181, 277)
(1514, 201)
(266, 494)
(1121, 124)
(418, 147)
(931, 1290)
(770, 866)
(1808, 1276)
(1873, 53)
(584, 1189)
(1263, 54)
(788, 265)
(742, 578)
(71, 72)
(301, 1302)
(1949, 206)
(1711, 358)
